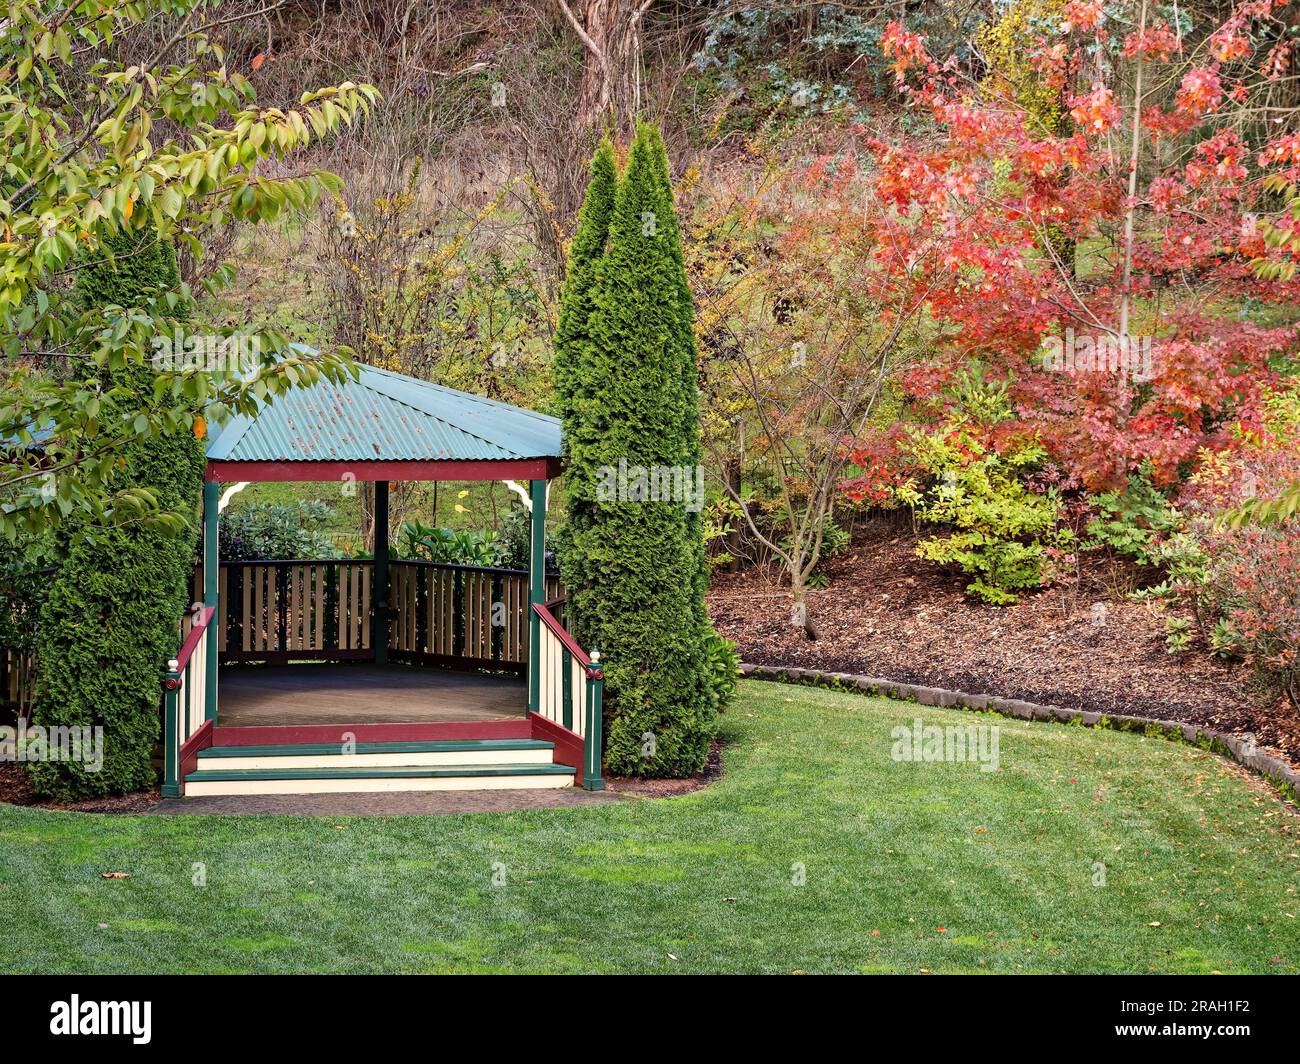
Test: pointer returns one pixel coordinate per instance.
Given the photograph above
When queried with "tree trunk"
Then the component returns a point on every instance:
(800, 617)
(611, 64)
(734, 542)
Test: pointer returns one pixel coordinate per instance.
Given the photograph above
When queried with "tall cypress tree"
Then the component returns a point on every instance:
(572, 371)
(687, 355)
(632, 566)
(109, 621)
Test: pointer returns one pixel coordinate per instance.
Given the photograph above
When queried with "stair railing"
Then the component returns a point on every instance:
(185, 698)
(571, 689)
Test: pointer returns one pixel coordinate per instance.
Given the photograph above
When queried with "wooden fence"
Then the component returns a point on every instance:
(303, 609)
(17, 680)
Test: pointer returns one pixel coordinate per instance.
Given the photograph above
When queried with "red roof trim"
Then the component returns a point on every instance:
(460, 469)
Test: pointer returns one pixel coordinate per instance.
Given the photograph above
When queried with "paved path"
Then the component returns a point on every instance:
(396, 803)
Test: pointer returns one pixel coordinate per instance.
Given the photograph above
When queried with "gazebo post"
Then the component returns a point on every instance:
(536, 589)
(211, 589)
(379, 621)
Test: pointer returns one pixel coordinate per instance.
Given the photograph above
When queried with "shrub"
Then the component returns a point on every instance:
(723, 665)
(110, 620)
(1134, 522)
(1001, 529)
(1255, 581)
(447, 546)
(277, 530)
(514, 541)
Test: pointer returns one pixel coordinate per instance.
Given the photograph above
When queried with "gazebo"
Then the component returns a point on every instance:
(345, 674)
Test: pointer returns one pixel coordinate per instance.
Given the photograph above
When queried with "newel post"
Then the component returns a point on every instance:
(171, 787)
(536, 590)
(592, 780)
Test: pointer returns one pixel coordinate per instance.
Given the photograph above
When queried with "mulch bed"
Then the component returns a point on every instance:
(16, 789)
(639, 788)
(890, 614)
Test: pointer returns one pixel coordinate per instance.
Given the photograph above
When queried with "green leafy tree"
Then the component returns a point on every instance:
(630, 562)
(116, 113)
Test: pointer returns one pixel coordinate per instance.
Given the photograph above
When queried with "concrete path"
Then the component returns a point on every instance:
(397, 803)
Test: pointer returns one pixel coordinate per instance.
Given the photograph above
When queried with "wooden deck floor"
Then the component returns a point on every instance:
(269, 695)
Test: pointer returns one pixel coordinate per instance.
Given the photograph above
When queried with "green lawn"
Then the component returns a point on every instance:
(1003, 862)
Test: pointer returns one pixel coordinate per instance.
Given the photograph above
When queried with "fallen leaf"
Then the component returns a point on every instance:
(115, 875)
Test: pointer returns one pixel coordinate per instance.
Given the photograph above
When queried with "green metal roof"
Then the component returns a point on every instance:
(384, 416)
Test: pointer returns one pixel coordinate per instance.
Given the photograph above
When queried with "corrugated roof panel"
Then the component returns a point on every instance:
(384, 416)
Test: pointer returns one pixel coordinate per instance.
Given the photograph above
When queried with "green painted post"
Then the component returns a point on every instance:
(536, 590)
(379, 593)
(567, 687)
(211, 591)
(592, 780)
(171, 787)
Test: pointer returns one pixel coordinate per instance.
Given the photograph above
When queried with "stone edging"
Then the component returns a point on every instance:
(1276, 771)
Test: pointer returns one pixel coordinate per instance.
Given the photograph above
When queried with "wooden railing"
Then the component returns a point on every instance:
(460, 615)
(18, 680)
(297, 608)
(305, 609)
(570, 690)
(185, 699)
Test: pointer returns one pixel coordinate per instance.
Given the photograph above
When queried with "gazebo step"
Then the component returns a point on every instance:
(358, 780)
(379, 755)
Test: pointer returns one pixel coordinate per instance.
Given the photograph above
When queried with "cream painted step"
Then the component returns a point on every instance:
(379, 755)
(367, 780)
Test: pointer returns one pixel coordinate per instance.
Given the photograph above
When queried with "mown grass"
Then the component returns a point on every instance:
(1202, 868)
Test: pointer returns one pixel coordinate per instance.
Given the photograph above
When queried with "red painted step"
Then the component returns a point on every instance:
(372, 733)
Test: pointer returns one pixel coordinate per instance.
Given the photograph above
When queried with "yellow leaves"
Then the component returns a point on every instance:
(200, 427)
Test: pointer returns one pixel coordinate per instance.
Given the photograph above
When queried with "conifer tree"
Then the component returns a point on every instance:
(571, 371)
(109, 621)
(631, 560)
